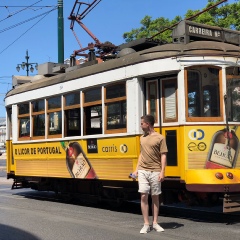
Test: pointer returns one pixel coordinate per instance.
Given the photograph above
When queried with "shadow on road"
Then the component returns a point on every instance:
(12, 233)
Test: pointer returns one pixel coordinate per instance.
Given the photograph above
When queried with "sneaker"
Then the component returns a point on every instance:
(145, 229)
(157, 227)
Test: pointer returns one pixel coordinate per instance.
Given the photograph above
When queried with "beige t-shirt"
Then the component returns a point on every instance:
(151, 148)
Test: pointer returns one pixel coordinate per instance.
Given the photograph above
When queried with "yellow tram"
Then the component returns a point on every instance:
(78, 132)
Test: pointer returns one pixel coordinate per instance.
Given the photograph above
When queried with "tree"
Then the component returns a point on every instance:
(226, 16)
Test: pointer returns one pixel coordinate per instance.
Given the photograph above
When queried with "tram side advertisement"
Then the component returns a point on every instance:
(213, 147)
(90, 159)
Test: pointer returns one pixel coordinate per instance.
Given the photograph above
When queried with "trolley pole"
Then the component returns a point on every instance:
(60, 32)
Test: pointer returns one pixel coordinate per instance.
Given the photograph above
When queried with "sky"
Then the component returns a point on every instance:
(31, 25)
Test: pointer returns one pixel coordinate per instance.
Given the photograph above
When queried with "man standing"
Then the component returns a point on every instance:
(151, 170)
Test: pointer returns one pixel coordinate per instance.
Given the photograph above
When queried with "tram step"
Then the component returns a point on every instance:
(231, 203)
(16, 184)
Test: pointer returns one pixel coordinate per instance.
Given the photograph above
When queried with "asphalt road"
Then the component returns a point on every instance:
(27, 214)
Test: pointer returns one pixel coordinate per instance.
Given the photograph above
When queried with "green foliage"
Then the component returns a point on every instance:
(225, 15)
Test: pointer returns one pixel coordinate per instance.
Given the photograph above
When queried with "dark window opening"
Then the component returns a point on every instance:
(93, 120)
(73, 126)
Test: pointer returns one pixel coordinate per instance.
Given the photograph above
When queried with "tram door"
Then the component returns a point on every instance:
(161, 102)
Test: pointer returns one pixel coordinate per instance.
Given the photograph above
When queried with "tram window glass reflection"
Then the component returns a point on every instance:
(54, 117)
(92, 111)
(39, 125)
(116, 91)
(23, 108)
(38, 118)
(9, 119)
(24, 121)
(116, 115)
(203, 92)
(55, 123)
(92, 95)
(72, 99)
(38, 105)
(54, 102)
(72, 114)
(24, 127)
(93, 123)
(233, 97)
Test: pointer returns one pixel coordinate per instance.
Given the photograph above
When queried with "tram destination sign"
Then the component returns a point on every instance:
(187, 31)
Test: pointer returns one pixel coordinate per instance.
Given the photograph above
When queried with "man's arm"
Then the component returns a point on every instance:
(136, 171)
(163, 166)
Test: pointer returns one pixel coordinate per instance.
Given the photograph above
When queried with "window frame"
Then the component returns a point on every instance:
(35, 114)
(114, 100)
(25, 115)
(71, 107)
(90, 104)
(228, 78)
(204, 119)
(156, 82)
(48, 111)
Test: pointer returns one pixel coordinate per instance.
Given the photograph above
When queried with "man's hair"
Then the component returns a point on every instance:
(148, 119)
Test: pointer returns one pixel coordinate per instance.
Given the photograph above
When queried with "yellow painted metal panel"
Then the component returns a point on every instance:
(115, 159)
(207, 176)
(116, 169)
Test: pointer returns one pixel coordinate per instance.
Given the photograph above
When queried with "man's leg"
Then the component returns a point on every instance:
(155, 208)
(145, 208)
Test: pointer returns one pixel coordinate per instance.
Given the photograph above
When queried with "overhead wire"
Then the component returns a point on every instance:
(10, 15)
(13, 26)
(28, 30)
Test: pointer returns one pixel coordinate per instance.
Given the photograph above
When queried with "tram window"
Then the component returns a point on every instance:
(72, 114)
(152, 97)
(39, 125)
(72, 99)
(169, 100)
(73, 122)
(92, 111)
(9, 119)
(92, 95)
(193, 94)
(115, 108)
(38, 118)
(54, 102)
(38, 105)
(24, 129)
(23, 108)
(55, 123)
(203, 93)
(233, 98)
(116, 115)
(54, 113)
(93, 120)
(24, 121)
(116, 91)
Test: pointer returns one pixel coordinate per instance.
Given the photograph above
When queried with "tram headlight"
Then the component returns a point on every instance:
(219, 175)
(229, 175)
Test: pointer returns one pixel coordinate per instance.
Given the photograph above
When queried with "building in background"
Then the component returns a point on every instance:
(2, 131)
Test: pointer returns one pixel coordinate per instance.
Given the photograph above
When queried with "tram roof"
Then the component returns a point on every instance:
(197, 48)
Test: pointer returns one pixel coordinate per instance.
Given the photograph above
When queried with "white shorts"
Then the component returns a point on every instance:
(147, 181)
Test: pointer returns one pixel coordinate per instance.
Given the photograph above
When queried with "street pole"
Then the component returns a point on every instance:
(27, 65)
(60, 32)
